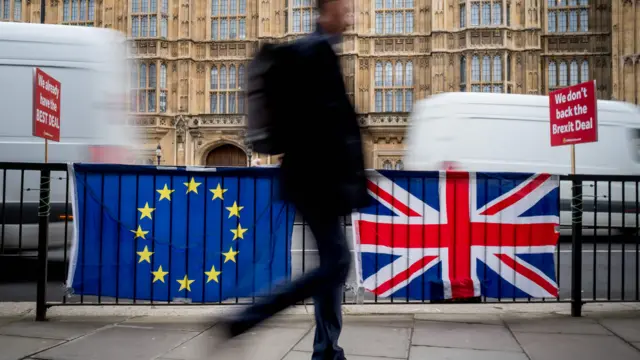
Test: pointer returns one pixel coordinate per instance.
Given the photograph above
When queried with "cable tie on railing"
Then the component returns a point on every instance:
(44, 208)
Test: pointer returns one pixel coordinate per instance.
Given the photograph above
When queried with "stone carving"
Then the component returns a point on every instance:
(181, 129)
(218, 120)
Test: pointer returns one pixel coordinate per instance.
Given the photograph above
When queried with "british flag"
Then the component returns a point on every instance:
(453, 235)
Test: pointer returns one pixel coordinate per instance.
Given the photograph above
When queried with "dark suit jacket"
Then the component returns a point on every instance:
(323, 165)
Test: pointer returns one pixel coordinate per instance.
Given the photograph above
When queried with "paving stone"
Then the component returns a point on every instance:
(59, 329)
(4, 320)
(267, 343)
(628, 329)
(14, 347)
(189, 323)
(438, 353)
(368, 341)
(488, 319)
(572, 346)
(394, 321)
(468, 336)
(562, 325)
(303, 355)
(290, 321)
(119, 342)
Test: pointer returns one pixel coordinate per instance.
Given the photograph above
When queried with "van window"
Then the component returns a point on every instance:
(635, 142)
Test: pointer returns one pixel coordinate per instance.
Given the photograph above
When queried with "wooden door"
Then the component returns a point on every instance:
(227, 155)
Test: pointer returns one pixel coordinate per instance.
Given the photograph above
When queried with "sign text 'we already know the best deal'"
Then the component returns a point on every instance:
(46, 106)
(574, 114)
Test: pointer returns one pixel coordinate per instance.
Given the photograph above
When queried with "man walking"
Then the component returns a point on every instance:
(322, 138)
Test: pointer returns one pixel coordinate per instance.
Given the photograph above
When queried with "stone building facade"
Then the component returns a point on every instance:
(190, 58)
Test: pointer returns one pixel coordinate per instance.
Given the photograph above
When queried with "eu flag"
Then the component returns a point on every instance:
(165, 234)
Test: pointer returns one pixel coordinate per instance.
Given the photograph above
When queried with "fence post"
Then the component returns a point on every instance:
(576, 248)
(43, 244)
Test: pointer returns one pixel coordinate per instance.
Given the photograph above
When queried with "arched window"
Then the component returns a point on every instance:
(228, 19)
(214, 78)
(399, 165)
(393, 88)
(497, 69)
(563, 76)
(475, 69)
(487, 78)
(551, 22)
(144, 16)
(394, 17)
(496, 17)
(573, 20)
(378, 74)
(223, 78)
(232, 77)
(584, 20)
(408, 75)
(575, 12)
(144, 87)
(486, 13)
(486, 69)
(475, 14)
(399, 74)
(388, 74)
(463, 70)
(163, 88)
(143, 76)
(228, 84)
(151, 91)
(386, 165)
(553, 75)
(584, 71)
(573, 71)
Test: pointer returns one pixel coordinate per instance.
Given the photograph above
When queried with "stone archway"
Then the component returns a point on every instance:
(226, 155)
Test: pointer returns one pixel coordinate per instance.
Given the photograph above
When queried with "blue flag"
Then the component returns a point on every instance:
(163, 234)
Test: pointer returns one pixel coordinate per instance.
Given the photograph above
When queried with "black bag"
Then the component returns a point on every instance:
(267, 110)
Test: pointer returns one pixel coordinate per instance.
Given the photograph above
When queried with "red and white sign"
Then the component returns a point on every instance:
(46, 106)
(574, 114)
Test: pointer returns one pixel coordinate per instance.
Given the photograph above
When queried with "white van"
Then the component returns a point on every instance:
(91, 65)
(510, 133)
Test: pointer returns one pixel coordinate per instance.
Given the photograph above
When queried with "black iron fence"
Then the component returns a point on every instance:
(596, 260)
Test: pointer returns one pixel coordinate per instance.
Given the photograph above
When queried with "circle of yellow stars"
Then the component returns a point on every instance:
(165, 194)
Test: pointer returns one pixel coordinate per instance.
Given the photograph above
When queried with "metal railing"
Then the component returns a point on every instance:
(596, 260)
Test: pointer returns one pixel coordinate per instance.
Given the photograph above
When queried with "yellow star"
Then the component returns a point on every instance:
(231, 255)
(146, 211)
(165, 193)
(145, 255)
(239, 232)
(192, 186)
(218, 192)
(185, 283)
(235, 210)
(159, 275)
(213, 274)
(139, 232)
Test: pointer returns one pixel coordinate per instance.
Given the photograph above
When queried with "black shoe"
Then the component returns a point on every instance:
(232, 327)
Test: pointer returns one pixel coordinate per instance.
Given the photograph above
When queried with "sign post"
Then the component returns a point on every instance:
(46, 108)
(574, 117)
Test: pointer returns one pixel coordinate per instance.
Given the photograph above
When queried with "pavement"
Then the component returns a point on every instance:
(385, 332)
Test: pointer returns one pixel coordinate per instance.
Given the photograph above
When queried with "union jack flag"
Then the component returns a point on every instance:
(453, 235)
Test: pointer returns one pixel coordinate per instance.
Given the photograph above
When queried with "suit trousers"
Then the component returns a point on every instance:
(324, 284)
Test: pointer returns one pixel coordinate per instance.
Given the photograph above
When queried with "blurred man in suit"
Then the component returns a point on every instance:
(322, 175)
